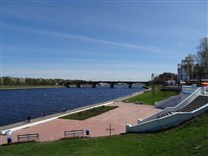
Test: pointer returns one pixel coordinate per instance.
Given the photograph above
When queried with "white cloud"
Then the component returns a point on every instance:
(84, 38)
(176, 33)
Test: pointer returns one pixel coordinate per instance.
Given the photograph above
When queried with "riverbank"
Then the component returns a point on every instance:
(34, 102)
(36, 121)
(187, 139)
(117, 118)
(28, 87)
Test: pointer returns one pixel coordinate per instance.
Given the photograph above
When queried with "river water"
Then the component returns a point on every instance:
(16, 105)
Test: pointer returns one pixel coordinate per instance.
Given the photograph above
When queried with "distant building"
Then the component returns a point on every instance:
(17, 81)
(22, 80)
(170, 82)
(188, 72)
(183, 74)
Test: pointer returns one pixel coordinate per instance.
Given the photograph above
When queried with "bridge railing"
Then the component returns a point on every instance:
(79, 83)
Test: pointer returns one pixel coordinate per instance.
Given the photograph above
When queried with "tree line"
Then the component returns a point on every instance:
(13, 81)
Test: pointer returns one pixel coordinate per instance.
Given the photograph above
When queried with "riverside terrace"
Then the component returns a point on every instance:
(79, 83)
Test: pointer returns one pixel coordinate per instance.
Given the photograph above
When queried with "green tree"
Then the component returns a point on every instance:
(202, 58)
(165, 77)
(7, 81)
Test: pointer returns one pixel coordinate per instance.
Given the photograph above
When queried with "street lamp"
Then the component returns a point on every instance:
(153, 85)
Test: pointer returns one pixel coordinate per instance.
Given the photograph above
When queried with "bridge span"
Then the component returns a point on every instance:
(79, 83)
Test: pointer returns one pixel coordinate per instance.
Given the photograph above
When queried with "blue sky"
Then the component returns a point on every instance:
(98, 40)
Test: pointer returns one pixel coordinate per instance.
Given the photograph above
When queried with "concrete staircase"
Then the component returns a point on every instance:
(195, 104)
(166, 114)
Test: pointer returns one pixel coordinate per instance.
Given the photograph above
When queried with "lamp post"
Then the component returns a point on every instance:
(153, 85)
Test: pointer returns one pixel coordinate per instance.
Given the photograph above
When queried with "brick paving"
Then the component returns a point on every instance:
(126, 113)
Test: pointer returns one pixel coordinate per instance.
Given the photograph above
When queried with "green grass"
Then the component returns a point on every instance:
(89, 113)
(189, 139)
(149, 98)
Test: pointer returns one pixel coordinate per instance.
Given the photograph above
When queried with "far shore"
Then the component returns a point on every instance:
(29, 87)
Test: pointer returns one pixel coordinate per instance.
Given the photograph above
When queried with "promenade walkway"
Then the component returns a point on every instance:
(126, 113)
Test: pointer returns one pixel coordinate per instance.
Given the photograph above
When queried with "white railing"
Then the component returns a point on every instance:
(189, 99)
(188, 89)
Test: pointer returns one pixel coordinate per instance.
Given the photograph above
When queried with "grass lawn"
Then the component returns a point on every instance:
(89, 113)
(149, 98)
(189, 139)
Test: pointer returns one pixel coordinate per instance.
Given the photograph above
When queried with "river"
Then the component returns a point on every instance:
(16, 105)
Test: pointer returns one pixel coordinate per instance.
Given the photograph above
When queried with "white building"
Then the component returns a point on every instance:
(188, 72)
(183, 73)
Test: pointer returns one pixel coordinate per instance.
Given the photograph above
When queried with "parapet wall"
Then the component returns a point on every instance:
(166, 122)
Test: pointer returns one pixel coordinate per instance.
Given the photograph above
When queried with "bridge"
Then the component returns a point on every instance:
(79, 83)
